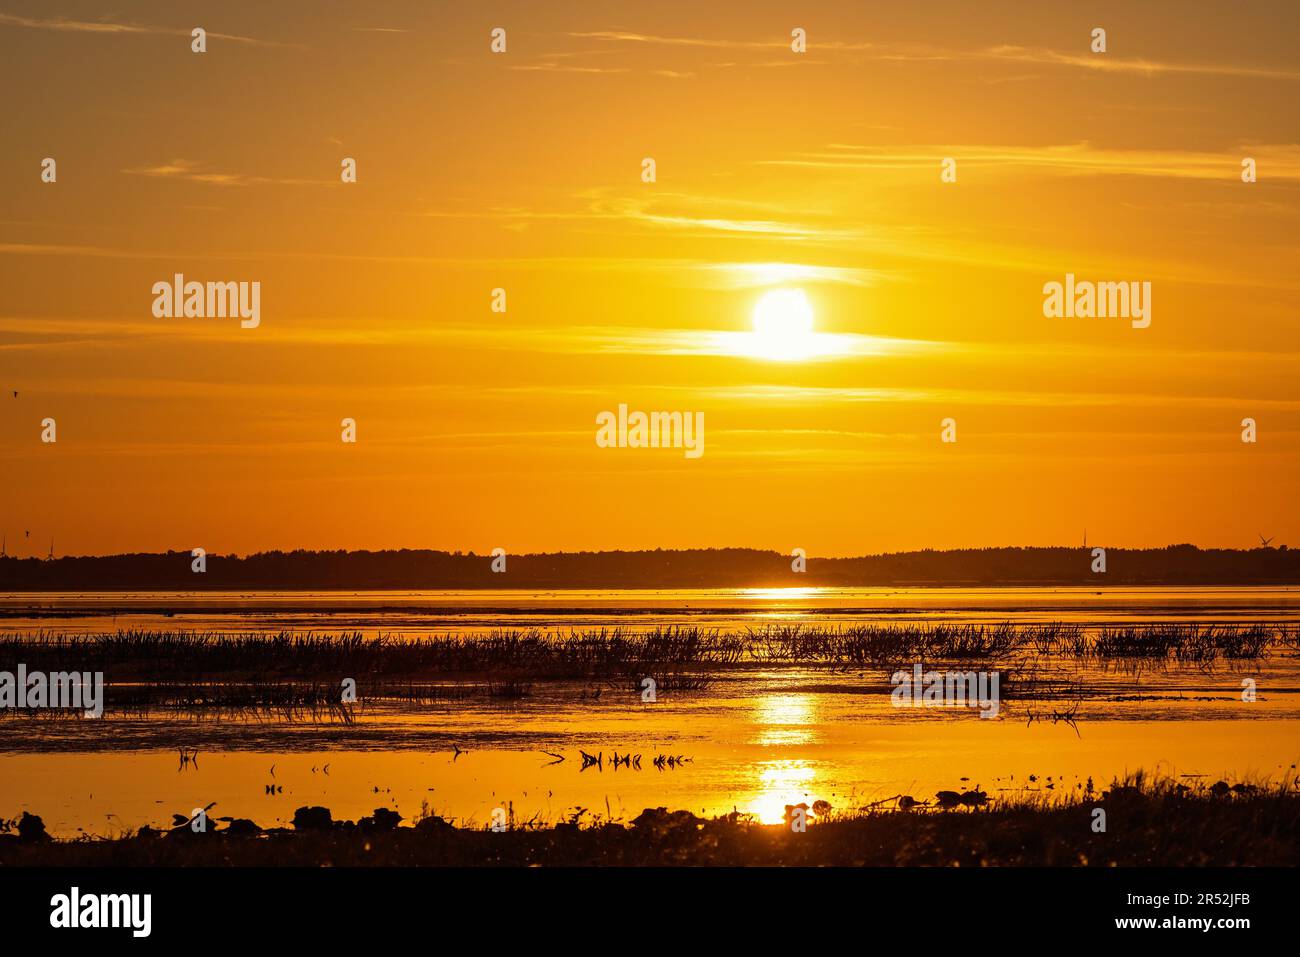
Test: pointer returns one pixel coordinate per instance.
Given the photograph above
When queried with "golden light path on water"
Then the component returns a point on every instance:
(783, 720)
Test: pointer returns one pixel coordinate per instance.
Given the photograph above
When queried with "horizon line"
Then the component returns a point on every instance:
(647, 550)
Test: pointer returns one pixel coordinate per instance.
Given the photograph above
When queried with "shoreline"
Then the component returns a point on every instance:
(1145, 825)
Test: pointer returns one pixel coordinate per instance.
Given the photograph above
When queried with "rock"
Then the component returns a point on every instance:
(661, 819)
(382, 820)
(31, 828)
(432, 824)
(313, 819)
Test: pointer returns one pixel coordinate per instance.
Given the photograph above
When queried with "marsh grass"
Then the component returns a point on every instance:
(869, 644)
(602, 653)
(611, 653)
(1195, 644)
(300, 674)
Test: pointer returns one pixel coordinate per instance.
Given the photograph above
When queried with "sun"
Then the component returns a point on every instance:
(783, 326)
(783, 331)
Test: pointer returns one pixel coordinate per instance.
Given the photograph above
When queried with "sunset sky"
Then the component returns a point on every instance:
(817, 172)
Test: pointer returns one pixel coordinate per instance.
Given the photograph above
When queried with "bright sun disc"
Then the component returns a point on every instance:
(783, 325)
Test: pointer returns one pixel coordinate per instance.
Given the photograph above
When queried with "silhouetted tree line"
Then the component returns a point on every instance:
(686, 568)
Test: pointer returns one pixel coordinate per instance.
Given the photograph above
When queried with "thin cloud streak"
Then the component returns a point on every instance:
(1111, 64)
(1282, 161)
(988, 397)
(65, 25)
(918, 53)
(193, 172)
(559, 68)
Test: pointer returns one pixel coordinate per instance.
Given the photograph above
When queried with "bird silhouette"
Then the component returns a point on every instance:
(1264, 541)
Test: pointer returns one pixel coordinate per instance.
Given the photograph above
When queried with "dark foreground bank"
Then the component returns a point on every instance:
(1160, 827)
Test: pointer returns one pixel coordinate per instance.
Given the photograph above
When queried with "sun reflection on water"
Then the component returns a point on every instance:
(782, 783)
(785, 719)
(780, 594)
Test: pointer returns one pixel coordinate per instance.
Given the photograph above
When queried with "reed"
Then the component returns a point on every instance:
(684, 654)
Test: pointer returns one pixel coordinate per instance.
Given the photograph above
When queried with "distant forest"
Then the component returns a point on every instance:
(686, 568)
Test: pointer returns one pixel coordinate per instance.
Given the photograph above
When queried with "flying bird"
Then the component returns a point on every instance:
(1264, 541)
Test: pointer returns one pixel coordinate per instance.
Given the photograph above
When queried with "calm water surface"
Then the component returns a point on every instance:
(753, 741)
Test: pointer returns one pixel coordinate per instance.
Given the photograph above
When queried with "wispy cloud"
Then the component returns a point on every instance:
(738, 275)
(649, 39)
(623, 36)
(921, 53)
(193, 172)
(822, 395)
(680, 211)
(567, 68)
(556, 340)
(703, 342)
(1112, 64)
(1281, 160)
(115, 27)
(66, 249)
(685, 212)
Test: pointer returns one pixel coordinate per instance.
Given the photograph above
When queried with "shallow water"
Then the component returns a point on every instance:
(756, 739)
(416, 612)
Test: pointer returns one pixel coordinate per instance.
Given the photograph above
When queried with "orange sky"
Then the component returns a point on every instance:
(817, 171)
